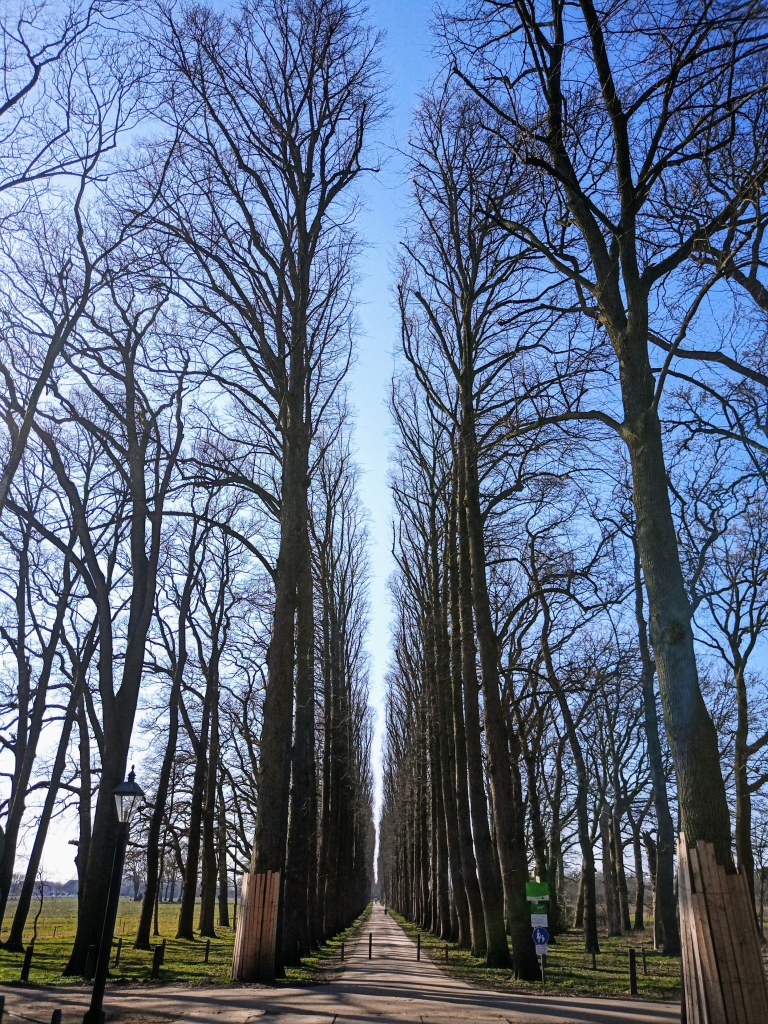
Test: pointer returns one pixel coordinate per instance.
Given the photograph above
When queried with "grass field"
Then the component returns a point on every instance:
(569, 968)
(184, 960)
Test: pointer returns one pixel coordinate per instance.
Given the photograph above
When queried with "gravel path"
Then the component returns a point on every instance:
(391, 987)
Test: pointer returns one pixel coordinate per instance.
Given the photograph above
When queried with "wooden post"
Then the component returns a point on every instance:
(119, 951)
(90, 964)
(27, 961)
(2, 1008)
(370, 945)
(56, 1017)
(418, 945)
(157, 959)
(446, 952)
(207, 951)
(254, 954)
(632, 973)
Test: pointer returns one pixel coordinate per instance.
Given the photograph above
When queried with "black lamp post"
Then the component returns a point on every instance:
(127, 797)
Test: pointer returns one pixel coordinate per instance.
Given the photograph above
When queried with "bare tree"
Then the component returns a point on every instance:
(71, 87)
(621, 165)
(274, 108)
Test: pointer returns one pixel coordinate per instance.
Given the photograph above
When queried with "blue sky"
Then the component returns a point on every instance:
(408, 60)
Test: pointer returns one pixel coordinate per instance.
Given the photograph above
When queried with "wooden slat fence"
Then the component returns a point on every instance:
(254, 953)
(724, 980)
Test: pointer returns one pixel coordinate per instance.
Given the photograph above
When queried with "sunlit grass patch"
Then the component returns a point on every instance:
(184, 959)
(569, 968)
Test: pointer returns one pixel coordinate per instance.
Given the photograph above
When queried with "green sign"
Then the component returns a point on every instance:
(536, 890)
(539, 908)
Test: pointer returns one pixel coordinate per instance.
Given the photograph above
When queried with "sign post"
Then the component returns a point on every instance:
(537, 894)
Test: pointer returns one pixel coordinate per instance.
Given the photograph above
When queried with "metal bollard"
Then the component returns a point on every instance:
(418, 945)
(632, 973)
(207, 951)
(342, 949)
(163, 949)
(119, 951)
(56, 1017)
(645, 966)
(594, 962)
(90, 964)
(27, 961)
(370, 945)
(157, 959)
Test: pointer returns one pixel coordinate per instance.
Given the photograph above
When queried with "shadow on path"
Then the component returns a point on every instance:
(390, 987)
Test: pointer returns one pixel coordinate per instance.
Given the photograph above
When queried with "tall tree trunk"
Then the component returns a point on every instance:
(587, 887)
(456, 715)
(664, 900)
(690, 729)
(221, 842)
(578, 921)
(538, 833)
(323, 858)
(637, 848)
(273, 784)
(446, 745)
(488, 872)
(15, 939)
(423, 810)
(206, 924)
(617, 850)
(312, 919)
(510, 837)
(651, 854)
(84, 799)
(302, 810)
(555, 863)
(622, 293)
(118, 709)
(186, 924)
(442, 924)
(609, 874)
(30, 720)
(743, 831)
(161, 796)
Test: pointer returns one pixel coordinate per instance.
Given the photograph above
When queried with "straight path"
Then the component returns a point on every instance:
(391, 987)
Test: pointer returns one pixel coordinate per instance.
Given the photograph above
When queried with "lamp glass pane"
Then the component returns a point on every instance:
(127, 796)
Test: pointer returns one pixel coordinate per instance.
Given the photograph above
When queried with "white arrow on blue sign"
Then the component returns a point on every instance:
(540, 936)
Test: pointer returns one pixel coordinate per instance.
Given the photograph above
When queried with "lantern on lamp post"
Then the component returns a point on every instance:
(128, 795)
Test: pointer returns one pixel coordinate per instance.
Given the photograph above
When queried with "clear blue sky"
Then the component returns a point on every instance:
(408, 60)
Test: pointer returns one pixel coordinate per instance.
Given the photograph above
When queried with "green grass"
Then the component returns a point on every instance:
(569, 968)
(184, 960)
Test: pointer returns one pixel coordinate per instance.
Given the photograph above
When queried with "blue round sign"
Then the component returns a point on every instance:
(540, 936)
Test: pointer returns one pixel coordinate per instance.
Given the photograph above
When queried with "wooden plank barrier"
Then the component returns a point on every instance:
(724, 980)
(254, 953)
